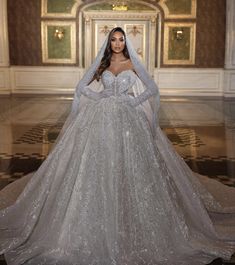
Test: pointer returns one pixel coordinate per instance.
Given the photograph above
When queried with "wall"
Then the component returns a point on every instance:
(211, 29)
(27, 74)
(24, 26)
(25, 33)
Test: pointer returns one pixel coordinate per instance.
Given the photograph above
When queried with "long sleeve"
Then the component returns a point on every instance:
(143, 97)
(86, 91)
(151, 87)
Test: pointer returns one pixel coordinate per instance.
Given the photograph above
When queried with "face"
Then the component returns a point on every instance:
(117, 42)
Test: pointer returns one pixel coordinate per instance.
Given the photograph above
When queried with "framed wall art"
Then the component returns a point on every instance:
(58, 42)
(59, 8)
(179, 43)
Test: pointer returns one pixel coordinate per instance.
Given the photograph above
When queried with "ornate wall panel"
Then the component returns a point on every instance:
(139, 27)
(179, 43)
(137, 33)
(132, 6)
(25, 16)
(179, 8)
(59, 8)
(101, 30)
(58, 42)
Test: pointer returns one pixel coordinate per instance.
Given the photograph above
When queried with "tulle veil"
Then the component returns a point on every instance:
(213, 209)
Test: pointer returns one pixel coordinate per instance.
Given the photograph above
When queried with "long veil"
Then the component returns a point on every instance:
(211, 215)
(211, 192)
(145, 83)
(151, 106)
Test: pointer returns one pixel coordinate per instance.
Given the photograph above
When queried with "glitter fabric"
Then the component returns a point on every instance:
(110, 193)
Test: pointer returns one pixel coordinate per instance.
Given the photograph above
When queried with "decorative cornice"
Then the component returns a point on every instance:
(124, 15)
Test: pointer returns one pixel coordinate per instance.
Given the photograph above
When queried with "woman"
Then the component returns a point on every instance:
(113, 191)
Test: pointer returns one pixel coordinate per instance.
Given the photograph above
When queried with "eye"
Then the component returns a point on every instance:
(122, 39)
(113, 39)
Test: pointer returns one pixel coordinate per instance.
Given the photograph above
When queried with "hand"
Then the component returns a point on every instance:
(106, 93)
(132, 101)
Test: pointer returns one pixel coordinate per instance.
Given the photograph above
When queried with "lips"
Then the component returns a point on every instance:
(117, 49)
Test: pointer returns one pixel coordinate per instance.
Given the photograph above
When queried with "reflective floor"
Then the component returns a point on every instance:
(201, 129)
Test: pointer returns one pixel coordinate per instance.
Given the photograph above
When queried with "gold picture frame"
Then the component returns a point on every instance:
(46, 14)
(58, 42)
(191, 15)
(179, 43)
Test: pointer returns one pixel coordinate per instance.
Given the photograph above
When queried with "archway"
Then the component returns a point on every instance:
(144, 28)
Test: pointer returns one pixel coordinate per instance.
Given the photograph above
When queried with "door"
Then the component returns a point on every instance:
(140, 30)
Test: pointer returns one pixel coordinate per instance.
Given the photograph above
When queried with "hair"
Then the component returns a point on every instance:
(106, 60)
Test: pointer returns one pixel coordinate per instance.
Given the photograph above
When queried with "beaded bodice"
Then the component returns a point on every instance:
(120, 83)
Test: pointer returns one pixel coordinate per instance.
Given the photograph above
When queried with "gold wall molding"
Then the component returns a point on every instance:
(191, 43)
(72, 14)
(167, 13)
(69, 44)
(120, 15)
(94, 15)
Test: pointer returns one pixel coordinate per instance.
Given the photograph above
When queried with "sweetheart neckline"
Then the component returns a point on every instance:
(106, 70)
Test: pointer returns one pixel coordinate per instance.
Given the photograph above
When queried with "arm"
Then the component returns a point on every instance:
(86, 91)
(145, 95)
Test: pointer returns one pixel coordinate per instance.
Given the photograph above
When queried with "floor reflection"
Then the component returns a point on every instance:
(202, 131)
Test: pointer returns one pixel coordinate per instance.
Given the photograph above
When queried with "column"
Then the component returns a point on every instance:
(4, 50)
(229, 78)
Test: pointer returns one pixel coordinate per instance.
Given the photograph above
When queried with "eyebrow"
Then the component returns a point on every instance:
(118, 38)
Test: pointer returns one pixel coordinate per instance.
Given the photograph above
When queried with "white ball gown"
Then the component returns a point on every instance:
(110, 193)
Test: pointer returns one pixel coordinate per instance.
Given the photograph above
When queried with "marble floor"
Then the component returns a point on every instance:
(201, 129)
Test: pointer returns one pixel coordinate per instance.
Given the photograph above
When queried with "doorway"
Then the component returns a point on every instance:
(139, 27)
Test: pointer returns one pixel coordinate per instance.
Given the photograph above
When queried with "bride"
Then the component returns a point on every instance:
(113, 191)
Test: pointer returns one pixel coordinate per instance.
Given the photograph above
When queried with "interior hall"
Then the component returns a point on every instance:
(188, 47)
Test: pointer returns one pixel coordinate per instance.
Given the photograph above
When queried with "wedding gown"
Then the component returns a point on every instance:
(111, 194)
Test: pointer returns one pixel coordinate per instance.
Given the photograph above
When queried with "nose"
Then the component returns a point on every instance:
(117, 43)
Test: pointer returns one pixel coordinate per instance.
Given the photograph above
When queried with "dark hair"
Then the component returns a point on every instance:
(106, 60)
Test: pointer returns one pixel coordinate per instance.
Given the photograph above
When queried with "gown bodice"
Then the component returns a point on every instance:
(120, 83)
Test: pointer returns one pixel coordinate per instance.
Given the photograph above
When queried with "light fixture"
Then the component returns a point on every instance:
(59, 34)
(178, 34)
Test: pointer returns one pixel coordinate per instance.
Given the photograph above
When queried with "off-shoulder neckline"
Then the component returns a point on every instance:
(116, 75)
